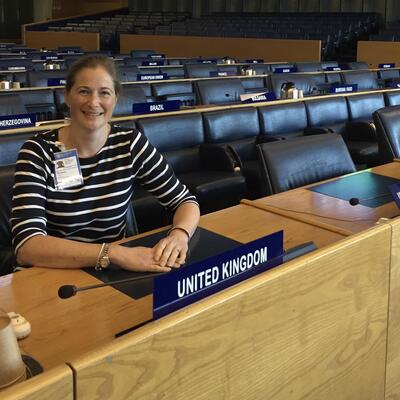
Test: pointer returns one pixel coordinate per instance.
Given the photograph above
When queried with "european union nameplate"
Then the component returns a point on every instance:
(386, 65)
(156, 107)
(395, 191)
(182, 287)
(154, 63)
(343, 88)
(151, 77)
(332, 69)
(17, 121)
(285, 70)
(254, 61)
(257, 97)
(207, 61)
(56, 82)
(214, 74)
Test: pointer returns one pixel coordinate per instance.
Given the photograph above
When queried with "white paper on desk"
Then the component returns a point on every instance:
(247, 96)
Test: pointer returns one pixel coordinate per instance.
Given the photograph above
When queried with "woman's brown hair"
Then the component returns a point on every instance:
(93, 61)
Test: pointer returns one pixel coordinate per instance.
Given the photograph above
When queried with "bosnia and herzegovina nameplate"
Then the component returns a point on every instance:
(17, 121)
(184, 286)
(156, 107)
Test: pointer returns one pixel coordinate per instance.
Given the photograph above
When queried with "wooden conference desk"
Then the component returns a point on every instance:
(329, 212)
(63, 330)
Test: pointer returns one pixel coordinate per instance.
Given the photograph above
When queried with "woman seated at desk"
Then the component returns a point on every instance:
(73, 186)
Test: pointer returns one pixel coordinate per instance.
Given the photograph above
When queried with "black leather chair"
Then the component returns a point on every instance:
(40, 102)
(305, 82)
(182, 91)
(10, 144)
(199, 70)
(356, 65)
(173, 72)
(282, 121)
(11, 104)
(128, 73)
(289, 164)
(130, 95)
(142, 53)
(389, 76)
(327, 115)
(207, 170)
(308, 66)
(392, 98)
(238, 129)
(255, 84)
(40, 78)
(219, 91)
(7, 257)
(387, 122)
(274, 66)
(229, 68)
(360, 133)
(365, 80)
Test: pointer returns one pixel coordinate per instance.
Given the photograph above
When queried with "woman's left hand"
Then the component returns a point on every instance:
(171, 251)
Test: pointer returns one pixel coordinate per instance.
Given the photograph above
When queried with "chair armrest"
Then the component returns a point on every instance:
(266, 139)
(361, 131)
(316, 131)
(220, 157)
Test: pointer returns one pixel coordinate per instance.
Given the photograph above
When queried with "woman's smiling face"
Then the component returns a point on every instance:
(91, 99)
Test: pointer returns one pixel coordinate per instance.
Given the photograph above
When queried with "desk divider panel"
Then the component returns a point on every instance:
(88, 41)
(191, 46)
(378, 52)
(393, 347)
(313, 328)
(57, 383)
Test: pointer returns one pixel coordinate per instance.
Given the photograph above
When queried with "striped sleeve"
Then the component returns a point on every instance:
(28, 216)
(156, 176)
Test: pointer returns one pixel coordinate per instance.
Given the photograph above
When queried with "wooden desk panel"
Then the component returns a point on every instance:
(314, 328)
(244, 224)
(56, 384)
(393, 346)
(328, 212)
(62, 329)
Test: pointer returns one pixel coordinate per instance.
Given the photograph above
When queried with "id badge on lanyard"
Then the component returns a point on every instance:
(68, 172)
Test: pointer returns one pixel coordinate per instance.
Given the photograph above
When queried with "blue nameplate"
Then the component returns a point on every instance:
(151, 77)
(49, 57)
(156, 107)
(332, 69)
(215, 74)
(343, 88)
(254, 61)
(56, 82)
(155, 56)
(395, 191)
(184, 286)
(386, 65)
(266, 96)
(152, 63)
(207, 61)
(16, 68)
(284, 70)
(17, 121)
(394, 85)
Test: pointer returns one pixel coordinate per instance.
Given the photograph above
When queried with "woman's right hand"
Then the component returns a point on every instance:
(139, 259)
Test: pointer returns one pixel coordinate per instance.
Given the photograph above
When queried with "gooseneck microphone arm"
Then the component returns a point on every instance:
(67, 291)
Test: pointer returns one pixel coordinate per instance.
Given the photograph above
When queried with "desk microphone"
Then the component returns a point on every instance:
(355, 200)
(67, 291)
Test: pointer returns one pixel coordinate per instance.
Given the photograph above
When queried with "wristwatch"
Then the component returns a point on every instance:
(103, 261)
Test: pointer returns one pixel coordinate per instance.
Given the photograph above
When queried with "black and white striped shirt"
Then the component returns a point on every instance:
(96, 211)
